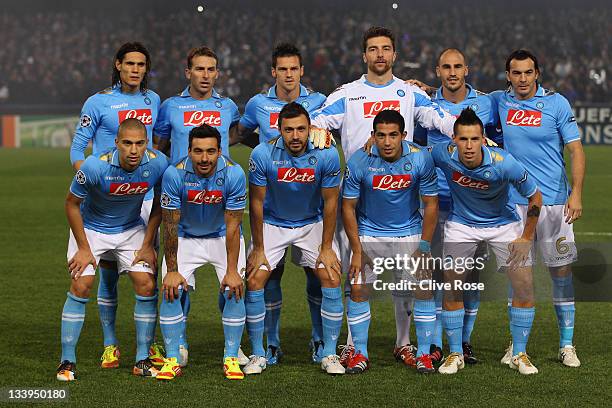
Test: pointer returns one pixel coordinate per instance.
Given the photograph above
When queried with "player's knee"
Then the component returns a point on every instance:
(145, 285)
(359, 293)
(82, 286)
(451, 305)
(257, 281)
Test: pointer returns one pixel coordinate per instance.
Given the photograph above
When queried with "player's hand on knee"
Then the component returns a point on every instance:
(573, 208)
(170, 285)
(519, 252)
(356, 268)
(234, 283)
(255, 261)
(321, 138)
(147, 256)
(79, 262)
(330, 262)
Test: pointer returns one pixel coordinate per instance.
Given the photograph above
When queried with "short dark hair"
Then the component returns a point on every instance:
(285, 50)
(124, 49)
(389, 116)
(202, 51)
(202, 132)
(292, 110)
(468, 118)
(521, 55)
(132, 124)
(444, 51)
(377, 31)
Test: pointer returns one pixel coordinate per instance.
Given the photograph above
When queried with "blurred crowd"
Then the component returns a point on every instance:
(63, 57)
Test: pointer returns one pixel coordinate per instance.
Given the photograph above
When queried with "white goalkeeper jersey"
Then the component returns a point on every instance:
(352, 107)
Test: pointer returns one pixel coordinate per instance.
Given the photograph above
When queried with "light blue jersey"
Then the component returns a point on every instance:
(181, 113)
(535, 132)
(389, 193)
(203, 200)
(112, 197)
(293, 184)
(262, 111)
(480, 196)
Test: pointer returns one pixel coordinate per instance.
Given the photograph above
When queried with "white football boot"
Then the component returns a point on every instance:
(452, 364)
(331, 365)
(521, 363)
(567, 355)
(255, 365)
(507, 358)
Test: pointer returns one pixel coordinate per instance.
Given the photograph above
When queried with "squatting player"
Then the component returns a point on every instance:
(203, 198)
(103, 210)
(351, 109)
(293, 189)
(538, 125)
(199, 103)
(101, 115)
(479, 178)
(261, 112)
(380, 208)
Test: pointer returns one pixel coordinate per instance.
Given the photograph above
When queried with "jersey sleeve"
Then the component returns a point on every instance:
(258, 166)
(172, 193)
(235, 113)
(430, 115)
(249, 119)
(518, 176)
(86, 129)
(162, 125)
(331, 114)
(428, 180)
(351, 187)
(85, 178)
(236, 189)
(437, 153)
(331, 169)
(162, 166)
(566, 122)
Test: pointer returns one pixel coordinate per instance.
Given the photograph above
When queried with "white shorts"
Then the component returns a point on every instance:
(145, 213)
(306, 238)
(554, 237)
(119, 247)
(380, 248)
(461, 241)
(196, 252)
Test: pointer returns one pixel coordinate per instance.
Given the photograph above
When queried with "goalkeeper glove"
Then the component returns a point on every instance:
(321, 138)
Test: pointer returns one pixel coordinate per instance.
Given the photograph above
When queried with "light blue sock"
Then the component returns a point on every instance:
(332, 311)
(565, 308)
(520, 326)
(145, 315)
(234, 316)
(471, 301)
(255, 315)
(358, 316)
(171, 321)
(424, 323)
(186, 305)
(273, 296)
(314, 296)
(73, 316)
(437, 337)
(452, 321)
(107, 304)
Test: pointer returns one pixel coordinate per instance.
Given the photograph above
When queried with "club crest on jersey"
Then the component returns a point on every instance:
(119, 189)
(305, 104)
(143, 115)
(487, 174)
(465, 181)
(312, 160)
(165, 199)
(540, 105)
(474, 107)
(295, 175)
(519, 117)
(147, 100)
(252, 166)
(371, 109)
(204, 196)
(218, 104)
(274, 120)
(391, 182)
(408, 166)
(401, 93)
(220, 181)
(80, 177)
(197, 118)
(146, 173)
(85, 121)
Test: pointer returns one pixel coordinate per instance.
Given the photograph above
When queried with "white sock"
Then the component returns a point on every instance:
(403, 307)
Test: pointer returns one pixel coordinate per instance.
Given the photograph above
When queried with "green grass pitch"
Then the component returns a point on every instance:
(33, 239)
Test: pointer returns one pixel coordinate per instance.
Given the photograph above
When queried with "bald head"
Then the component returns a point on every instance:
(133, 125)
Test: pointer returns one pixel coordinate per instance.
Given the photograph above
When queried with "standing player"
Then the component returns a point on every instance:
(261, 113)
(351, 109)
(103, 210)
(198, 104)
(101, 115)
(293, 201)
(203, 198)
(479, 179)
(538, 125)
(380, 208)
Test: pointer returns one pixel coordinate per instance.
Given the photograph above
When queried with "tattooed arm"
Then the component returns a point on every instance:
(173, 278)
(533, 212)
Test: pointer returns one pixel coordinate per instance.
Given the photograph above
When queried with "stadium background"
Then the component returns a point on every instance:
(55, 54)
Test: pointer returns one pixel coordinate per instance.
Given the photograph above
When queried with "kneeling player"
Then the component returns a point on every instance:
(479, 179)
(293, 201)
(103, 210)
(203, 198)
(380, 211)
